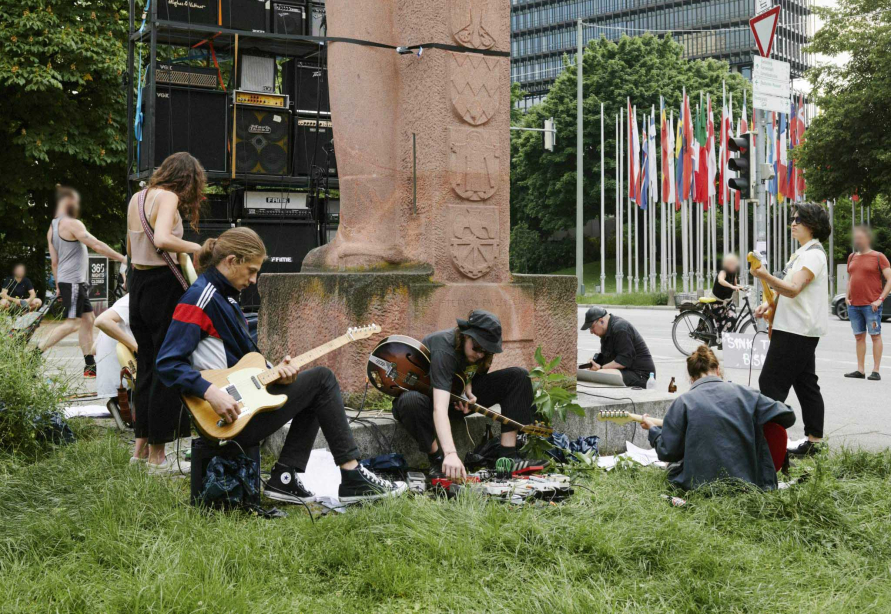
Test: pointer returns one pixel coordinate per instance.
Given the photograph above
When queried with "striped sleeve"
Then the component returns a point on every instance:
(190, 325)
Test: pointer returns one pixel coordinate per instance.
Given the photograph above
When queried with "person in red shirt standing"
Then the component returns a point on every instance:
(869, 282)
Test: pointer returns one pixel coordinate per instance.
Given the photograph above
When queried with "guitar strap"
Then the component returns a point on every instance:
(146, 227)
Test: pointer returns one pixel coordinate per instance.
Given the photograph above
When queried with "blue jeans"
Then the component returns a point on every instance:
(865, 320)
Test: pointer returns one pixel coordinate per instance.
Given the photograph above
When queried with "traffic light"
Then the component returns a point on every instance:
(550, 134)
(744, 165)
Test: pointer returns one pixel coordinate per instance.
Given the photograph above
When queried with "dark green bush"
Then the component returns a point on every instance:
(29, 395)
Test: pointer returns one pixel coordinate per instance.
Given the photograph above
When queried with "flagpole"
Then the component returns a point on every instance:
(673, 209)
(724, 160)
(579, 180)
(646, 242)
(618, 211)
(630, 223)
(620, 279)
(602, 207)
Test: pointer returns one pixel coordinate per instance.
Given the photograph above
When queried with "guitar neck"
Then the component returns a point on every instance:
(493, 415)
(272, 375)
(639, 418)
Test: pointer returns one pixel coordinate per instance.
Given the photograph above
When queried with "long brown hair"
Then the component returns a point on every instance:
(701, 361)
(243, 243)
(484, 365)
(182, 174)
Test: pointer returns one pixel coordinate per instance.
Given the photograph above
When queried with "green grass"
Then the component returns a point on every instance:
(82, 531)
(610, 296)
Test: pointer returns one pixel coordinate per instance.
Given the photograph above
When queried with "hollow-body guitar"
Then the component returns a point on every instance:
(401, 364)
(246, 382)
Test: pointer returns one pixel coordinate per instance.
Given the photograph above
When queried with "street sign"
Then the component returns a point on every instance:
(771, 84)
(762, 5)
(764, 27)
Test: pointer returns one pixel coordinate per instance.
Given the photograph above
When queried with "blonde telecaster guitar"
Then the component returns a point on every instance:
(769, 297)
(246, 382)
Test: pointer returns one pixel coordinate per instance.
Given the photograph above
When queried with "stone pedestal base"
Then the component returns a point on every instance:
(303, 310)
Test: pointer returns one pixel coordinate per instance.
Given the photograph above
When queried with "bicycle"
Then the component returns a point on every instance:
(697, 323)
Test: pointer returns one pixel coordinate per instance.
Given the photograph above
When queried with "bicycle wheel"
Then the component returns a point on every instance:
(746, 327)
(690, 330)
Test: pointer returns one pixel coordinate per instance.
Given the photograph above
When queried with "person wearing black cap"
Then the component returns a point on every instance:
(466, 350)
(622, 350)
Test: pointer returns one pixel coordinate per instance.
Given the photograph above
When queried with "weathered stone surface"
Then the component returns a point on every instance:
(301, 311)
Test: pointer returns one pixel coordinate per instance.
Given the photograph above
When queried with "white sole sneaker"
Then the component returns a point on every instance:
(286, 498)
(134, 460)
(170, 467)
(401, 487)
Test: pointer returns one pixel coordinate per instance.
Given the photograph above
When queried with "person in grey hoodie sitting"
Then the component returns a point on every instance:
(716, 430)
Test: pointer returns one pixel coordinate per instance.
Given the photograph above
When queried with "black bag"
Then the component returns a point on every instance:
(231, 482)
(485, 454)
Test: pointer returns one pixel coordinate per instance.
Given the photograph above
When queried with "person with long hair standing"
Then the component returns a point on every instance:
(174, 189)
(800, 319)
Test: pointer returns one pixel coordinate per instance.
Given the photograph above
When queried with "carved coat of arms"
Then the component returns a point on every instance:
(474, 164)
(474, 239)
(474, 23)
(475, 86)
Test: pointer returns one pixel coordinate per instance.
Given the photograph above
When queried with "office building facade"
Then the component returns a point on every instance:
(543, 31)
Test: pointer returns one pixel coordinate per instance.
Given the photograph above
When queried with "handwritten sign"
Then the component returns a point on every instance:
(741, 351)
(98, 277)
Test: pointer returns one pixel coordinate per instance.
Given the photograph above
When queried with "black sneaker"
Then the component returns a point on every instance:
(874, 376)
(435, 470)
(284, 485)
(856, 375)
(360, 484)
(808, 448)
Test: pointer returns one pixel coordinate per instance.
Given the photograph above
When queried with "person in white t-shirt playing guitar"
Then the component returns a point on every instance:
(801, 318)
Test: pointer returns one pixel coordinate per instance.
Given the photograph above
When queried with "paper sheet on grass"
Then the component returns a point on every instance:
(322, 476)
(87, 411)
(633, 452)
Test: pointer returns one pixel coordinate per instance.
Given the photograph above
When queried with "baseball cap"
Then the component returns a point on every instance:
(484, 328)
(593, 314)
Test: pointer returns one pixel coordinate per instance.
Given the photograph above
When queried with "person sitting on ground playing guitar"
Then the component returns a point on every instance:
(716, 429)
(466, 350)
(209, 331)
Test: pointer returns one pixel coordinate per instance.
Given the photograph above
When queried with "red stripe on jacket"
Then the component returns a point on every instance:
(192, 314)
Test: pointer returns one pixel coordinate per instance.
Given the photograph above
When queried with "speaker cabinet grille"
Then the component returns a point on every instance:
(191, 120)
(308, 87)
(313, 135)
(288, 18)
(262, 141)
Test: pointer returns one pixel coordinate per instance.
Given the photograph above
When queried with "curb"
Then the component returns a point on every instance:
(660, 307)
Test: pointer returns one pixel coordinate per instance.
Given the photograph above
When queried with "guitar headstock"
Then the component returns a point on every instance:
(539, 430)
(363, 332)
(755, 260)
(614, 415)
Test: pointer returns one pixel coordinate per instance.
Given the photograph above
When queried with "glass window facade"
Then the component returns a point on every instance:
(544, 31)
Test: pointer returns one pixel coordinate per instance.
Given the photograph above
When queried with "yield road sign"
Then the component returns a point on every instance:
(764, 27)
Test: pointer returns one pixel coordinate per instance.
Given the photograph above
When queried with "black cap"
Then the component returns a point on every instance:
(593, 314)
(484, 328)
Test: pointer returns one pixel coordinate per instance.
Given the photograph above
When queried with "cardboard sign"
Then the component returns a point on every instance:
(739, 352)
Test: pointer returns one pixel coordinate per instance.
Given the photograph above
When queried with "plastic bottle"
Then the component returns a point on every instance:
(651, 383)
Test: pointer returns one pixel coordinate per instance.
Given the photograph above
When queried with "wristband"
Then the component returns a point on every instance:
(455, 452)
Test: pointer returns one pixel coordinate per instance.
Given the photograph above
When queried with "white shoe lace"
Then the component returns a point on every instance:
(374, 479)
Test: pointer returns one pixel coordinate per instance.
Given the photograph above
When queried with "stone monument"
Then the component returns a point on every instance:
(423, 156)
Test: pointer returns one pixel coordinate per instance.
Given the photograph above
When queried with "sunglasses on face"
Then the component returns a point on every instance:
(796, 219)
(478, 349)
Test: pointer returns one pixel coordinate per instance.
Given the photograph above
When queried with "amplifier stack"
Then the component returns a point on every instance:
(300, 17)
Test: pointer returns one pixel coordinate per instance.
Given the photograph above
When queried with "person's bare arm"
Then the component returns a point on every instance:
(109, 322)
(612, 365)
(164, 223)
(32, 294)
(452, 465)
(54, 257)
(80, 232)
(790, 289)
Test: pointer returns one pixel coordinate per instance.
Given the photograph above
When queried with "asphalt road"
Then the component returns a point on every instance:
(856, 410)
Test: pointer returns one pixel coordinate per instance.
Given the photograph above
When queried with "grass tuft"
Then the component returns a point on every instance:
(83, 531)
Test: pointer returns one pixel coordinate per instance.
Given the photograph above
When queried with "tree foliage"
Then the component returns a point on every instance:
(848, 146)
(62, 118)
(543, 184)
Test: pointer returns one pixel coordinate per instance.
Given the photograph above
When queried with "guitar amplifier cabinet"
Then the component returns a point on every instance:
(198, 12)
(187, 119)
(288, 18)
(247, 15)
(313, 135)
(256, 73)
(307, 85)
(317, 23)
(186, 76)
(287, 243)
(262, 141)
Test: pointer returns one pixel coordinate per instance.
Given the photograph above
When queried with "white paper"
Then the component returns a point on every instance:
(87, 411)
(322, 476)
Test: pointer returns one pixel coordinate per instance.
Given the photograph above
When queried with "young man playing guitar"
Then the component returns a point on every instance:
(800, 318)
(209, 331)
(466, 351)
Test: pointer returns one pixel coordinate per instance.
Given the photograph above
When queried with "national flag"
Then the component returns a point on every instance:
(688, 148)
(737, 199)
(667, 155)
(680, 155)
(790, 168)
(633, 156)
(725, 137)
(772, 152)
(644, 188)
(801, 126)
(701, 181)
(654, 182)
(782, 166)
(710, 149)
(672, 190)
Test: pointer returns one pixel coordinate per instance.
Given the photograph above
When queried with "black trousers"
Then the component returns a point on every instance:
(510, 388)
(314, 402)
(154, 294)
(791, 363)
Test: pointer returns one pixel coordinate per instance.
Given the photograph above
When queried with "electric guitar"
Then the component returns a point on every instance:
(246, 382)
(623, 417)
(769, 297)
(400, 364)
